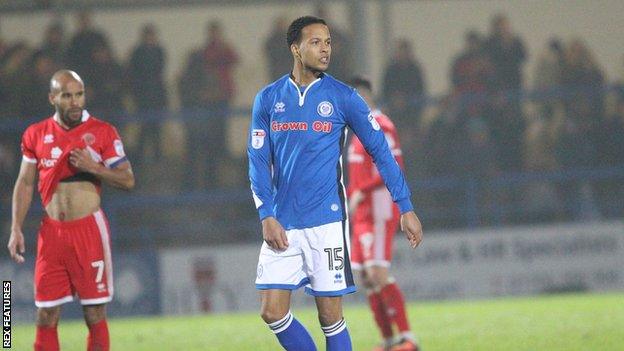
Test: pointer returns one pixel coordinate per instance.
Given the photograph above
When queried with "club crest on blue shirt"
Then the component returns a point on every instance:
(373, 122)
(280, 107)
(325, 109)
(257, 138)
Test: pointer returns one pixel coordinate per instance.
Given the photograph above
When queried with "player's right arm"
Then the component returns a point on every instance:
(22, 198)
(259, 154)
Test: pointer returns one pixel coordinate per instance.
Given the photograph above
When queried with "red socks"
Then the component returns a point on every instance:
(46, 339)
(98, 339)
(394, 304)
(379, 312)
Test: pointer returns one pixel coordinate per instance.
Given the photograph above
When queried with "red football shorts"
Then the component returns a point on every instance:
(371, 243)
(74, 258)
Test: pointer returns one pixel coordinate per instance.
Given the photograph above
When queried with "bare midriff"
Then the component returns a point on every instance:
(73, 200)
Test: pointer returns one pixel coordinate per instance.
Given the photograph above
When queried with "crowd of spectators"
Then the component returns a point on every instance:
(491, 123)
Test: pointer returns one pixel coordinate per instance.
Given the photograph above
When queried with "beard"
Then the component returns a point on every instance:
(69, 119)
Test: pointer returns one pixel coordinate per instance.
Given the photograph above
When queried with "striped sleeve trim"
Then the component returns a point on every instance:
(28, 159)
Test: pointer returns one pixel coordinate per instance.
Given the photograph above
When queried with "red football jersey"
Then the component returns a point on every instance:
(48, 145)
(364, 176)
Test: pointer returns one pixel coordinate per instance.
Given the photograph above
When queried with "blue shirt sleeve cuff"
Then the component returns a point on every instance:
(405, 205)
(265, 211)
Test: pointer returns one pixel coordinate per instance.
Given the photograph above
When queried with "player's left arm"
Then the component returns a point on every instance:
(121, 176)
(368, 130)
(115, 170)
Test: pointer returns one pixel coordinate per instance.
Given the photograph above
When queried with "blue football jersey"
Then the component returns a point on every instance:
(295, 151)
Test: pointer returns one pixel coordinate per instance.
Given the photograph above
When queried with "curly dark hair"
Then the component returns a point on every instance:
(294, 30)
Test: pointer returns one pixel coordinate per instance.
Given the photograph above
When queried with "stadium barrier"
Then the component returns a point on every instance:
(448, 265)
(136, 287)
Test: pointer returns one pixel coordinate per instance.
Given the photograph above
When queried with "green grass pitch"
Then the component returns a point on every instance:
(549, 323)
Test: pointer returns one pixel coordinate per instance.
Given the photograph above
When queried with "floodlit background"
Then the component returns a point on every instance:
(510, 113)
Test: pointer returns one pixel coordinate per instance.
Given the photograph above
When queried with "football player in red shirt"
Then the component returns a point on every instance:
(375, 219)
(73, 152)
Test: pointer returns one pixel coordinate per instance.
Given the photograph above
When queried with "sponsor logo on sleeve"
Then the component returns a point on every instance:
(373, 122)
(391, 142)
(257, 138)
(119, 149)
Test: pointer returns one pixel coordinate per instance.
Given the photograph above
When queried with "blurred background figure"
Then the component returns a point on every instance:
(53, 44)
(404, 94)
(146, 80)
(506, 52)
(278, 56)
(341, 66)
(105, 75)
(84, 42)
(548, 76)
(404, 88)
(207, 90)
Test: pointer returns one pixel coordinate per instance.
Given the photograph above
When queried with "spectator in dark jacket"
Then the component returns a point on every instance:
(148, 92)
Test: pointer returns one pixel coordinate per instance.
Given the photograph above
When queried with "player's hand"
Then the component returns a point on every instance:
(81, 159)
(16, 246)
(410, 225)
(354, 200)
(274, 234)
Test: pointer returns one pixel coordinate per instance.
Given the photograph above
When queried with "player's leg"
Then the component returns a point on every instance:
(391, 296)
(361, 251)
(91, 273)
(46, 338)
(333, 324)
(275, 311)
(95, 318)
(378, 308)
(52, 286)
(327, 255)
(280, 272)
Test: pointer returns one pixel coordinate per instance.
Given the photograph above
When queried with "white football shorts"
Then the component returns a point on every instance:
(317, 258)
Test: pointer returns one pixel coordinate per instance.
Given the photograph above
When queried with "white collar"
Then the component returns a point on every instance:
(85, 116)
(303, 95)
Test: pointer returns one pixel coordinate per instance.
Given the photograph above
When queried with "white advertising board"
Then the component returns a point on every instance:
(448, 265)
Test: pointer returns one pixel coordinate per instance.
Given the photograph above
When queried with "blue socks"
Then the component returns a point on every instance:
(292, 335)
(337, 337)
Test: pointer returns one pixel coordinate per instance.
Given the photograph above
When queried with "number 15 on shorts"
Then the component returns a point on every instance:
(334, 256)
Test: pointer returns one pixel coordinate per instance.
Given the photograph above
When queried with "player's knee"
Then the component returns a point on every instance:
(272, 315)
(367, 282)
(378, 278)
(377, 282)
(94, 314)
(327, 318)
(48, 316)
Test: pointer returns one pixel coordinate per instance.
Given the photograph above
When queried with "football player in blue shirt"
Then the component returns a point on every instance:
(297, 133)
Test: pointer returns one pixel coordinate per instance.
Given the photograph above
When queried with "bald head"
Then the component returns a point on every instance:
(67, 96)
(61, 78)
